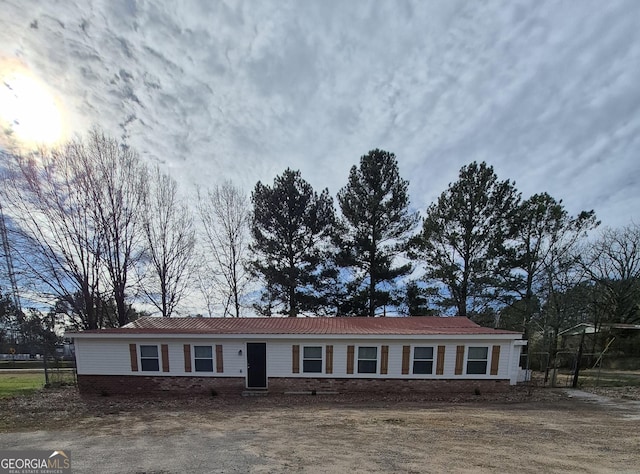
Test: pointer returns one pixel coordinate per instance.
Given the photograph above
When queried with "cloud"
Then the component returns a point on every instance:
(544, 91)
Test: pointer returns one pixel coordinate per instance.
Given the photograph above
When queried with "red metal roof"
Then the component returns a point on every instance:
(423, 325)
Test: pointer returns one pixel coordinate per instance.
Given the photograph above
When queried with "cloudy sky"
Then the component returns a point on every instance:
(548, 92)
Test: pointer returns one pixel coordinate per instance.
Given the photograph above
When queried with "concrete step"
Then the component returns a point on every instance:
(255, 393)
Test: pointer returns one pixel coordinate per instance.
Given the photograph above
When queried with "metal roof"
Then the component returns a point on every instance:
(423, 325)
(589, 328)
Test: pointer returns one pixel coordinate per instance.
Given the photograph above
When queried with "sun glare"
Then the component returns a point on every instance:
(30, 114)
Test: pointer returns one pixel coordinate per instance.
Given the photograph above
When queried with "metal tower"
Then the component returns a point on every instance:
(9, 261)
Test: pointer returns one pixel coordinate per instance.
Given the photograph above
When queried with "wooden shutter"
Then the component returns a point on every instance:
(440, 361)
(164, 348)
(459, 359)
(495, 359)
(187, 357)
(295, 359)
(219, 359)
(133, 353)
(350, 351)
(329, 362)
(384, 360)
(406, 354)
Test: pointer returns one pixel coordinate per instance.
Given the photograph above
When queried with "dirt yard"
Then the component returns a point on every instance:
(525, 431)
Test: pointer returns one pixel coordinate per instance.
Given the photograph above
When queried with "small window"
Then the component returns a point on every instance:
(312, 359)
(149, 358)
(367, 360)
(203, 358)
(477, 360)
(423, 360)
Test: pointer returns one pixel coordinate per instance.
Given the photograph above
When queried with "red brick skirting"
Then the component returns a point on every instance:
(148, 385)
(234, 386)
(280, 385)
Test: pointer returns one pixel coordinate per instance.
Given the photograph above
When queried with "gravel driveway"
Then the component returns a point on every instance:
(558, 434)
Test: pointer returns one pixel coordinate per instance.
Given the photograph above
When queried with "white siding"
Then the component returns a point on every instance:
(110, 356)
(279, 358)
(233, 363)
(102, 357)
(514, 362)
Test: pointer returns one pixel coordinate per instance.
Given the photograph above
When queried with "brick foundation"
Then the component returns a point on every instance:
(382, 386)
(143, 385)
(234, 386)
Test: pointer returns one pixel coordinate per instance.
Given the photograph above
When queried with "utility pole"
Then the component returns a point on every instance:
(577, 371)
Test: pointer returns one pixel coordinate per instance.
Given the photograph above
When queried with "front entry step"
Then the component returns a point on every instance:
(255, 393)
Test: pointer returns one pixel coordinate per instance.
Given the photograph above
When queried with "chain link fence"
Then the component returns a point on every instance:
(571, 368)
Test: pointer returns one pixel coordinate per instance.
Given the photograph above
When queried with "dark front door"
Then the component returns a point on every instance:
(256, 365)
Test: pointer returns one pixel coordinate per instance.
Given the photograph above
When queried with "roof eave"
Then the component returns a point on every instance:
(174, 335)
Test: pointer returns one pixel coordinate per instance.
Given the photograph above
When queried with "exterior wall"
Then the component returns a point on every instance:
(514, 362)
(110, 358)
(102, 356)
(155, 385)
(279, 358)
(234, 386)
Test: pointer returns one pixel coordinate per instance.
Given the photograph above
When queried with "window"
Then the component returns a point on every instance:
(367, 360)
(423, 360)
(149, 358)
(203, 358)
(312, 359)
(477, 360)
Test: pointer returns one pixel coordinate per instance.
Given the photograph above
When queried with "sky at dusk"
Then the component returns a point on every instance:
(548, 92)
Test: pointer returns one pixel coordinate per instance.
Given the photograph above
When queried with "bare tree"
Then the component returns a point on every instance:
(225, 216)
(543, 237)
(118, 186)
(564, 294)
(54, 236)
(170, 234)
(612, 263)
(204, 280)
(76, 210)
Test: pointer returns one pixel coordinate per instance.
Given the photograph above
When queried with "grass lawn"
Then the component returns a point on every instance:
(609, 378)
(20, 384)
(600, 378)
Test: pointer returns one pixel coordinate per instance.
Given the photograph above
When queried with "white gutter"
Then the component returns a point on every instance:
(517, 338)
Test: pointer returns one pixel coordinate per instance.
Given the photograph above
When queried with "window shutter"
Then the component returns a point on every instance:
(440, 361)
(295, 359)
(459, 359)
(133, 353)
(187, 357)
(329, 362)
(406, 354)
(350, 351)
(495, 359)
(219, 359)
(165, 357)
(384, 361)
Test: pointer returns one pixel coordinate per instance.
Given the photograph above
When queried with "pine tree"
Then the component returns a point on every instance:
(417, 299)
(377, 221)
(463, 234)
(292, 227)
